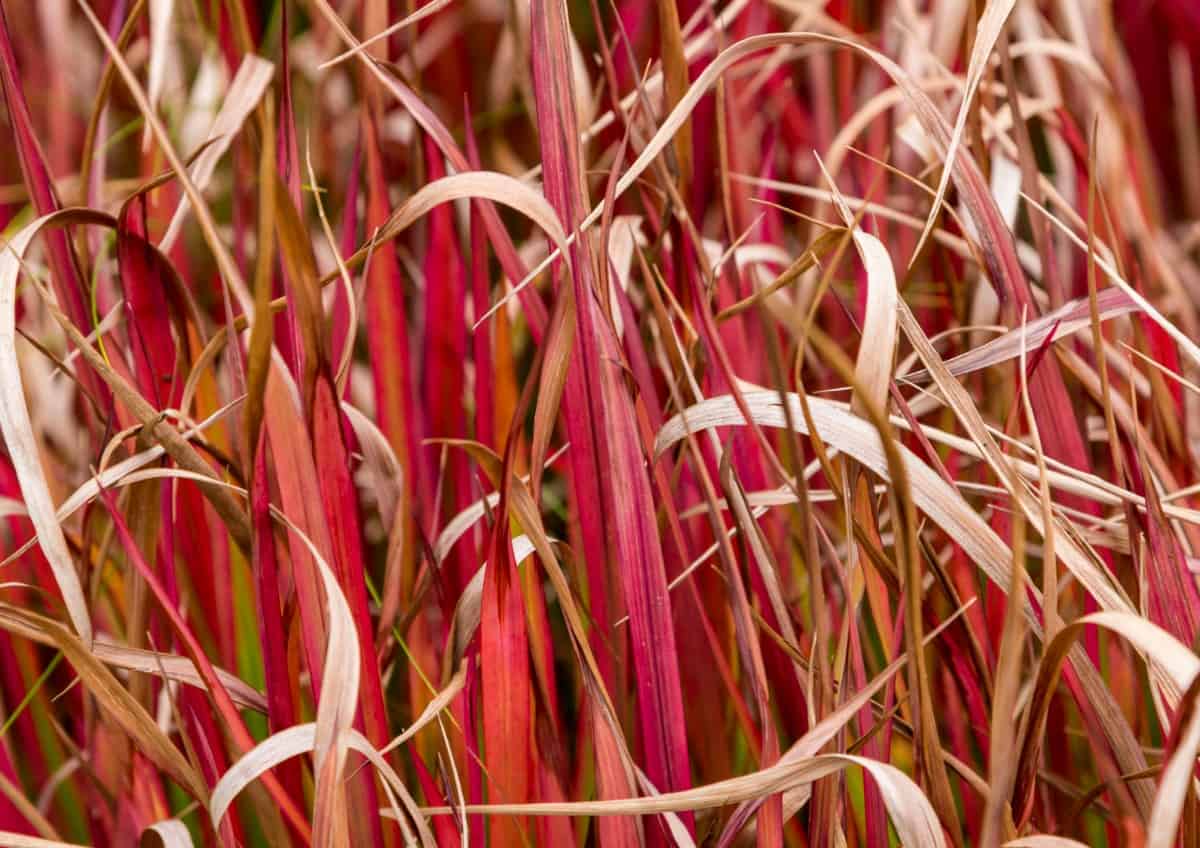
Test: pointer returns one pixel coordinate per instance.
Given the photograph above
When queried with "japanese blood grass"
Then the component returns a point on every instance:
(549, 424)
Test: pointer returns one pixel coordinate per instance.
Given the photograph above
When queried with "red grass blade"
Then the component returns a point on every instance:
(598, 403)
(67, 279)
(507, 703)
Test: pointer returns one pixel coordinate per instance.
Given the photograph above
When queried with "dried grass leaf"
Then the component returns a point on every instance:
(172, 832)
(19, 840)
(246, 89)
(911, 814)
(988, 31)
(116, 702)
(22, 446)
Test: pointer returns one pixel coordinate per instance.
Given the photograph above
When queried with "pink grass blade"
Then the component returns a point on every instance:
(596, 390)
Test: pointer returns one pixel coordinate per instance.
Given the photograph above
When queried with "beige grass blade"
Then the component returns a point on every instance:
(466, 518)
(293, 742)
(31, 626)
(177, 668)
(337, 704)
(22, 446)
(877, 350)
(260, 759)
(245, 91)
(405, 22)
(18, 840)
(852, 435)
(466, 611)
(386, 471)
(160, 13)
(988, 30)
(1175, 782)
(172, 832)
(432, 709)
(911, 814)
(114, 474)
(1180, 338)
(457, 526)
(489, 185)
(228, 268)
(117, 703)
(1065, 321)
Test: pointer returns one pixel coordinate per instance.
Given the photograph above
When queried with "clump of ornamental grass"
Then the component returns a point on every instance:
(619, 424)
